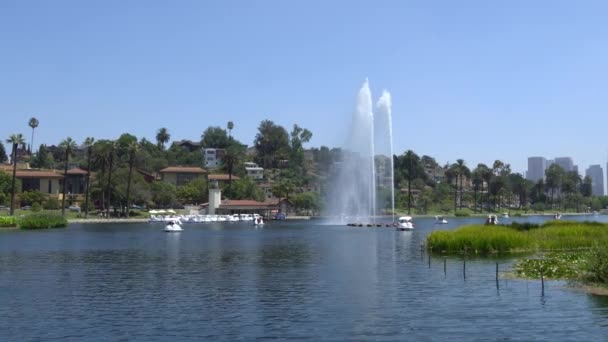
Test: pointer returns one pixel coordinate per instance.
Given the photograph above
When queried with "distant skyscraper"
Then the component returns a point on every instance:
(536, 168)
(596, 174)
(566, 163)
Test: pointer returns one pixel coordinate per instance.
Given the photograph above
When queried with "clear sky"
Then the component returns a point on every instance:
(478, 80)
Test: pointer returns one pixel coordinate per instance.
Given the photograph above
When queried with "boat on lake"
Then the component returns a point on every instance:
(440, 220)
(405, 223)
(172, 226)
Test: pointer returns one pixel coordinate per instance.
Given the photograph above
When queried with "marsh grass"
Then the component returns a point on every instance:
(8, 221)
(552, 236)
(41, 221)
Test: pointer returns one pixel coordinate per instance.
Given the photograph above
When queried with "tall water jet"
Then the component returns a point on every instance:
(353, 191)
(384, 107)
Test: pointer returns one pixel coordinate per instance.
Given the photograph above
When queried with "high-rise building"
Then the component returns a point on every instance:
(596, 174)
(566, 163)
(536, 168)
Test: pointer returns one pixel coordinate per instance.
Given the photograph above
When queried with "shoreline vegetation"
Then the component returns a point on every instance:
(559, 250)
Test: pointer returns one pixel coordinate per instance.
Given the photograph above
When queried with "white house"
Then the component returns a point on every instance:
(254, 171)
(212, 157)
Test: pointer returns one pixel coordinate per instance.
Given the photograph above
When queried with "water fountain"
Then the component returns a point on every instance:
(354, 181)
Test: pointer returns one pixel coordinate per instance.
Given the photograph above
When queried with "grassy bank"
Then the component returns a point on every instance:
(551, 236)
(562, 249)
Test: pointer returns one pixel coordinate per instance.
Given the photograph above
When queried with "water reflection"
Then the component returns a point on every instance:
(292, 280)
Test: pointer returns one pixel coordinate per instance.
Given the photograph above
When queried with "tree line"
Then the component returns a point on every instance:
(120, 167)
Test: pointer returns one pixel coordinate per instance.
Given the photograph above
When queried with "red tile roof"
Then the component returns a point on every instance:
(76, 171)
(226, 204)
(221, 177)
(38, 174)
(183, 169)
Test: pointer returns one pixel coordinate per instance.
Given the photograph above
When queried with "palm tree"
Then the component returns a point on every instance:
(15, 140)
(88, 142)
(477, 180)
(162, 137)
(132, 152)
(68, 145)
(231, 159)
(112, 146)
(33, 123)
(453, 172)
(230, 126)
(463, 170)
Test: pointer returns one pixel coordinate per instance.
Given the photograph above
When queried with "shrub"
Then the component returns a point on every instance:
(462, 213)
(596, 266)
(8, 221)
(524, 225)
(41, 221)
(51, 204)
(36, 207)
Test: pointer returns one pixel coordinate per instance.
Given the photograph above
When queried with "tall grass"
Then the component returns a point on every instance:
(8, 221)
(41, 220)
(480, 239)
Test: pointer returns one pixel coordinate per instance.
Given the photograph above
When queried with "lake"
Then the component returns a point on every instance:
(301, 280)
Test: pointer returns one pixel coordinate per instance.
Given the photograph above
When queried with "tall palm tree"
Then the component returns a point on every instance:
(15, 140)
(162, 137)
(453, 172)
(68, 145)
(109, 189)
(132, 152)
(477, 180)
(230, 160)
(33, 124)
(463, 170)
(230, 126)
(88, 142)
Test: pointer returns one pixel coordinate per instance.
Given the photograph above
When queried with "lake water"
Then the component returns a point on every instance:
(287, 281)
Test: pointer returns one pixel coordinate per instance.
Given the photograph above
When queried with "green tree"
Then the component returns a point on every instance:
(215, 137)
(163, 194)
(127, 191)
(195, 191)
(68, 145)
(586, 187)
(33, 123)
(32, 196)
(271, 143)
(3, 156)
(554, 175)
(132, 152)
(452, 174)
(307, 201)
(230, 126)
(162, 137)
(15, 140)
(244, 188)
(477, 180)
(298, 137)
(232, 159)
(463, 171)
(6, 187)
(88, 143)
(283, 189)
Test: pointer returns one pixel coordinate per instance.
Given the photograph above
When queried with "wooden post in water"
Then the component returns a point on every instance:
(429, 260)
(497, 275)
(464, 267)
(542, 282)
(421, 252)
(445, 273)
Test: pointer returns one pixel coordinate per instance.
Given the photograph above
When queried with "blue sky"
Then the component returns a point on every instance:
(478, 80)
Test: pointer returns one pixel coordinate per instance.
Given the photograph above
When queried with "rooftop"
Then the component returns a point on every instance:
(38, 174)
(183, 169)
(221, 177)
